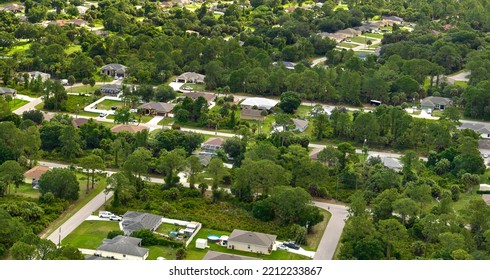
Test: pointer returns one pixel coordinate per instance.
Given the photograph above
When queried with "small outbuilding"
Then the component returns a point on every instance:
(201, 243)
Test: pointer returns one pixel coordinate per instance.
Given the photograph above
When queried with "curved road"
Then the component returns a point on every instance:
(335, 226)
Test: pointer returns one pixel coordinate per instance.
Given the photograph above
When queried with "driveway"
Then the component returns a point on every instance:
(33, 102)
(155, 120)
(331, 236)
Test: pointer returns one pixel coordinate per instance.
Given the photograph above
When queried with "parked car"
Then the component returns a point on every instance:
(114, 108)
(291, 244)
(429, 111)
(102, 115)
(105, 214)
(115, 218)
(485, 155)
(187, 88)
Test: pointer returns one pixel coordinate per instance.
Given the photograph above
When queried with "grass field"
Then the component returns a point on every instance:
(194, 253)
(160, 251)
(17, 103)
(195, 87)
(26, 190)
(361, 39)
(347, 45)
(72, 49)
(89, 234)
(166, 121)
(20, 48)
(83, 89)
(373, 35)
(144, 119)
(107, 104)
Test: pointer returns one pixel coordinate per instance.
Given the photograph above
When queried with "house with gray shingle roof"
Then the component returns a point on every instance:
(133, 221)
(114, 70)
(435, 103)
(214, 256)
(250, 241)
(6, 91)
(122, 248)
(212, 145)
(111, 89)
(482, 128)
(300, 125)
(191, 77)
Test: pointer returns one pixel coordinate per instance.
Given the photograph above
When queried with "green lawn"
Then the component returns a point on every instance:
(88, 114)
(19, 48)
(83, 89)
(107, 104)
(361, 39)
(462, 84)
(373, 35)
(26, 190)
(161, 251)
(313, 239)
(144, 119)
(347, 45)
(166, 121)
(344, 7)
(17, 103)
(197, 254)
(89, 234)
(166, 228)
(72, 49)
(195, 87)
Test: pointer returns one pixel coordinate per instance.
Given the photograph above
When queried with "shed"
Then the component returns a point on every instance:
(201, 243)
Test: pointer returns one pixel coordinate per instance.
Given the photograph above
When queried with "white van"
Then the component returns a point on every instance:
(105, 214)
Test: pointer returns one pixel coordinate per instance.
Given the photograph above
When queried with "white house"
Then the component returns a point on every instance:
(122, 248)
(250, 241)
(259, 102)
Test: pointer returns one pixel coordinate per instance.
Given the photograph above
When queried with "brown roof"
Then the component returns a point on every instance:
(129, 128)
(213, 255)
(160, 107)
(36, 172)
(215, 141)
(315, 152)
(194, 95)
(79, 122)
(252, 112)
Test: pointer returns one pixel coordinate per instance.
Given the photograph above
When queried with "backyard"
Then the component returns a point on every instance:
(107, 104)
(89, 234)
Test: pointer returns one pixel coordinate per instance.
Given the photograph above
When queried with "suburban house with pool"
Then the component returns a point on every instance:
(250, 241)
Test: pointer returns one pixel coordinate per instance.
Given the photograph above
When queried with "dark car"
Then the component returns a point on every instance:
(291, 245)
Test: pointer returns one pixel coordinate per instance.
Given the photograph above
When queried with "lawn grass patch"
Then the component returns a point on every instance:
(166, 121)
(195, 87)
(89, 234)
(26, 190)
(315, 236)
(167, 252)
(19, 48)
(347, 45)
(72, 49)
(17, 103)
(462, 84)
(107, 104)
(83, 89)
(373, 35)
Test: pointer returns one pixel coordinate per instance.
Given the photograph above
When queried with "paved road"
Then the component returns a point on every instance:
(331, 237)
(74, 221)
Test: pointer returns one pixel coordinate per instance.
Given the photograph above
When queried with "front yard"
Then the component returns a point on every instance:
(89, 234)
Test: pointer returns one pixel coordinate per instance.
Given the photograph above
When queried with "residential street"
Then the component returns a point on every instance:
(331, 236)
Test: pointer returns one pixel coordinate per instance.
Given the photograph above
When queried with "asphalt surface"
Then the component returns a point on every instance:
(331, 236)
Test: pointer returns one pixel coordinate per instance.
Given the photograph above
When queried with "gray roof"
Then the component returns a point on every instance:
(393, 18)
(251, 237)
(214, 141)
(252, 112)
(204, 159)
(484, 144)
(213, 255)
(110, 88)
(4, 90)
(299, 123)
(392, 163)
(123, 245)
(195, 95)
(433, 100)
(160, 107)
(119, 68)
(477, 127)
(133, 221)
(192, 76)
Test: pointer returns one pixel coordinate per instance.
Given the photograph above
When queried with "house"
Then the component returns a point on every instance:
(34, 75)
(482, 128)
(349, 32)
(218, 256)
(289, 65)
(195, 95)
(13, 8)
(111, 89)
(114, 70)
(7, 91)
(484, 147)
(128, 128)
(391, 163)
(101, 33)
(314, 153)
(78, 22)
(336, 37)
(397, 20)
(191, 78)
(82, 10)
(133, 221)
(435, 102)
(79, 122)
(252, 114)
(300, 125)
(157, 108)
(204, 159)
(250, 241)
(212, 145)
(122, 248)
(181, 3)
(386, 22)
(34, 173)
(259, 103)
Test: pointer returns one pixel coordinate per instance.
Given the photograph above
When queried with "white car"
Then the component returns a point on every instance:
(485, 155)
(115, 218)
(105, 214)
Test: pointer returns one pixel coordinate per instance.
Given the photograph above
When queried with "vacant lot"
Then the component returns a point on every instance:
(89, 234)
(107, 104)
